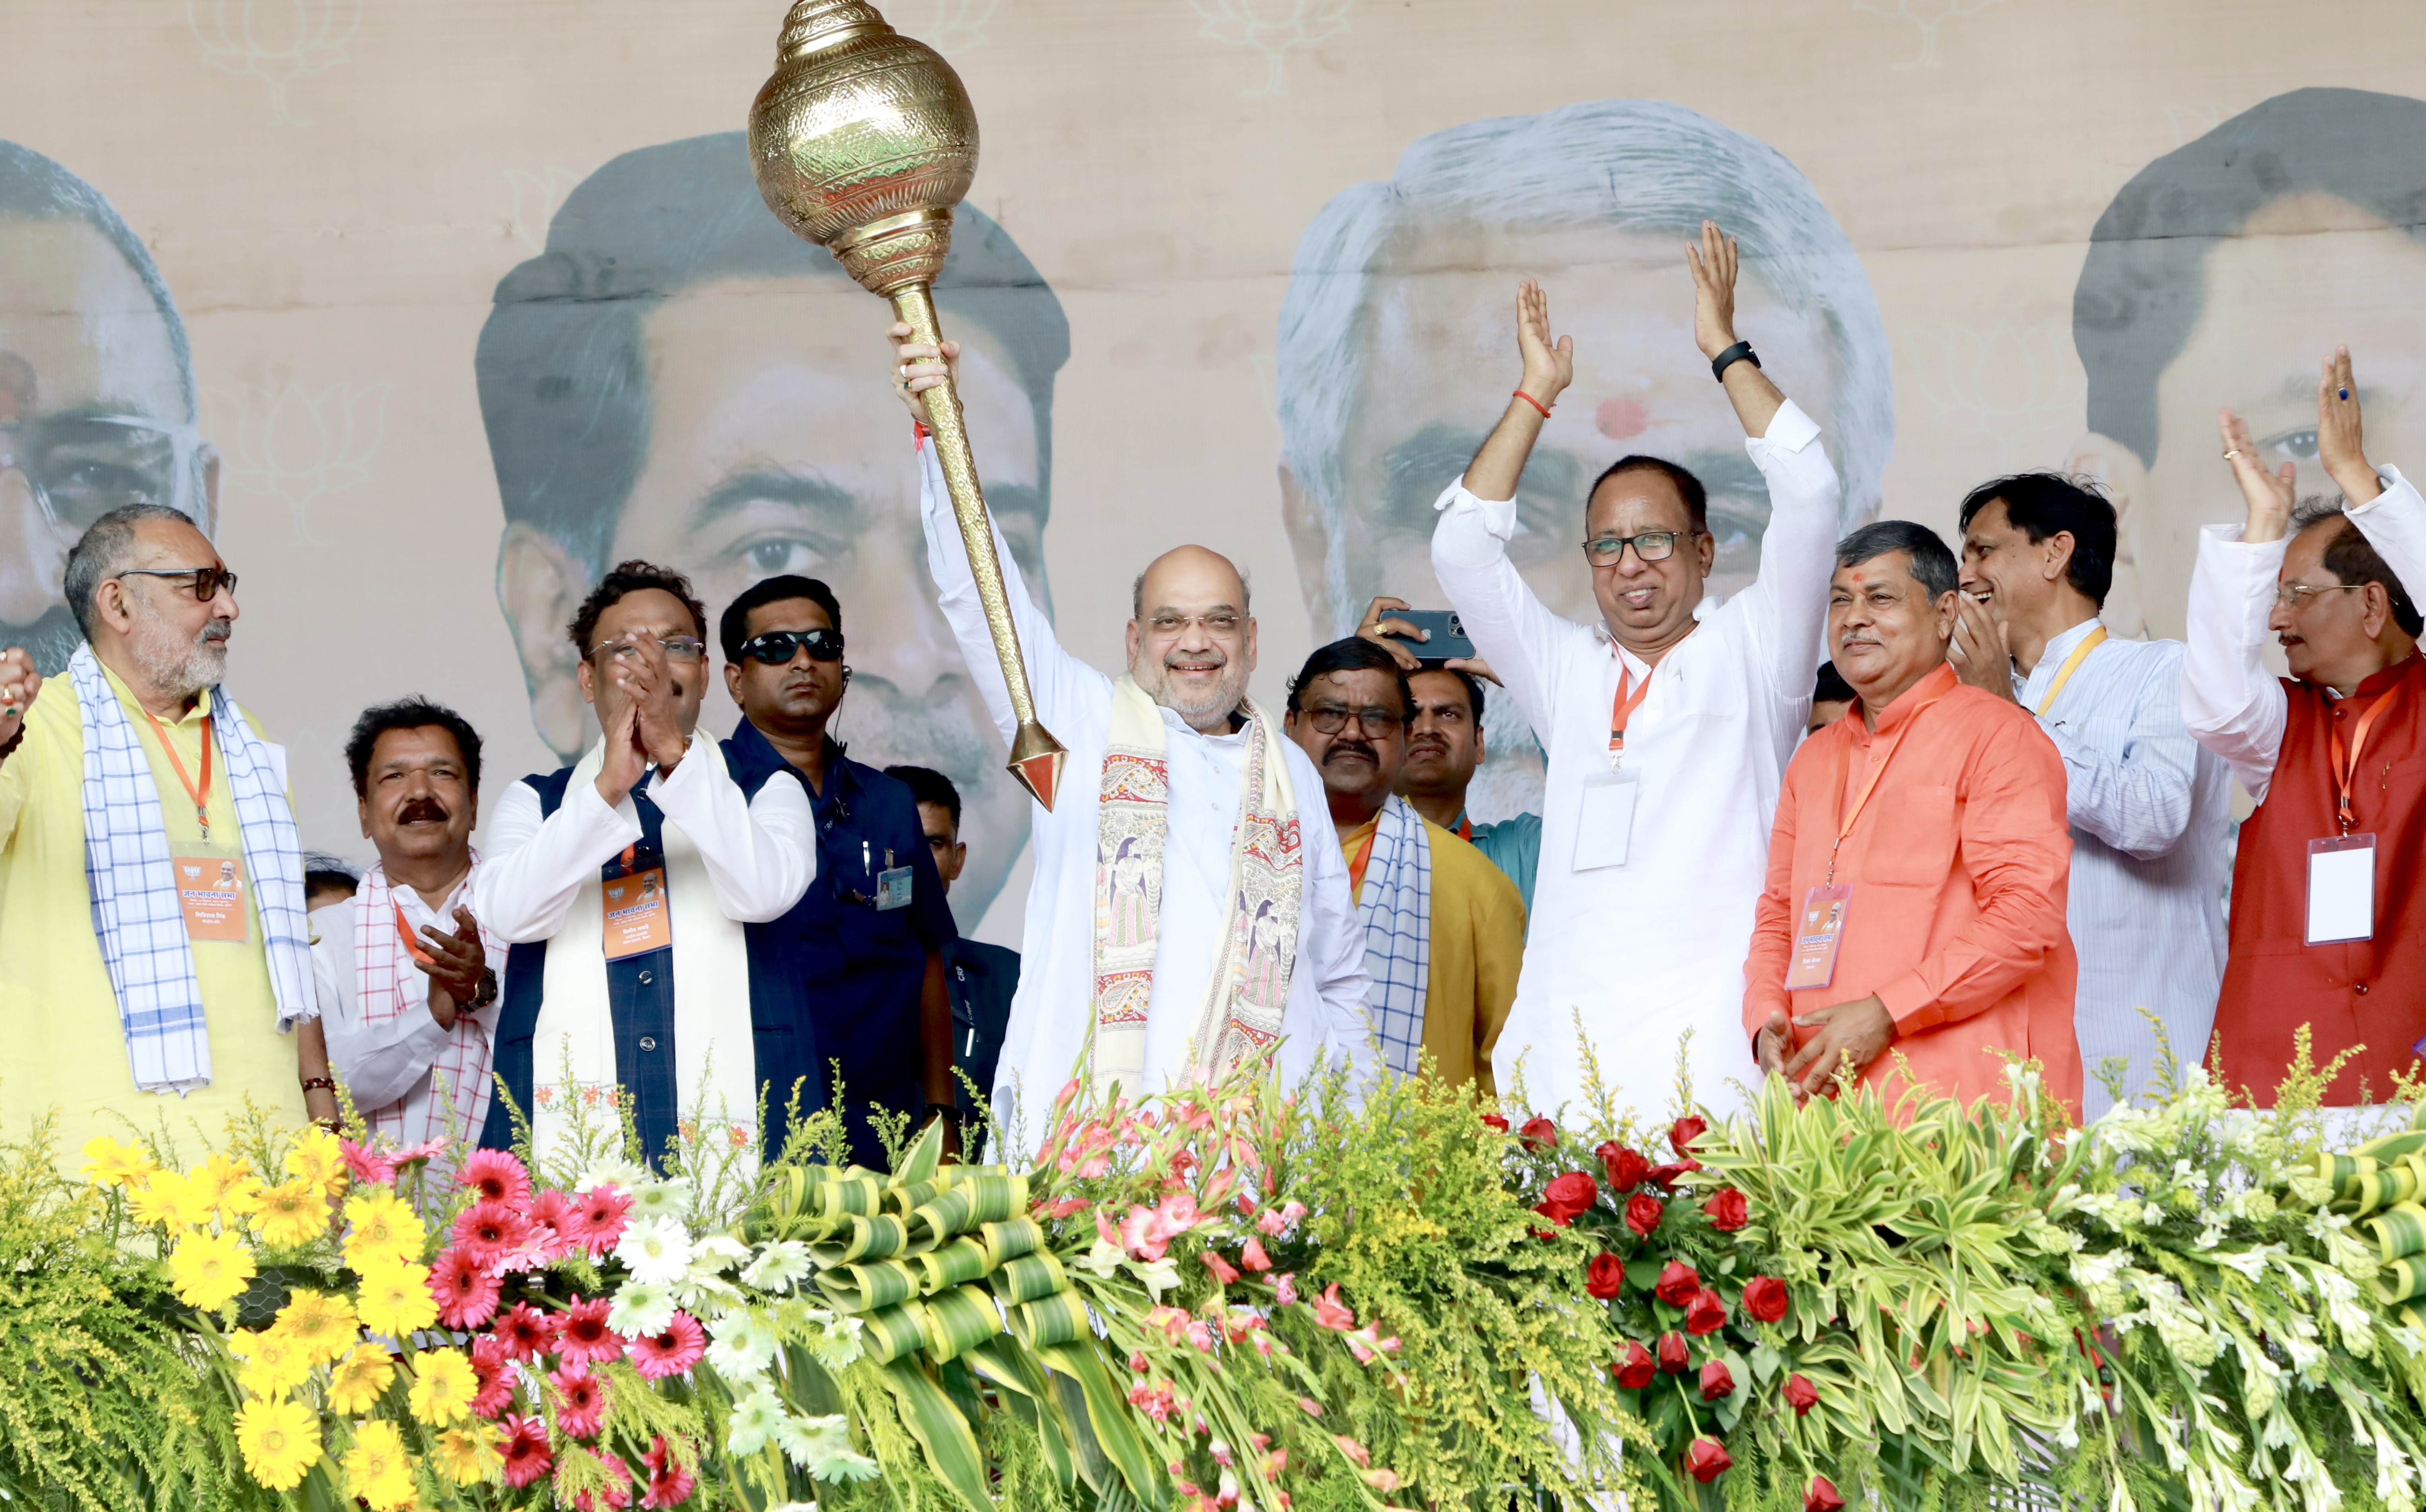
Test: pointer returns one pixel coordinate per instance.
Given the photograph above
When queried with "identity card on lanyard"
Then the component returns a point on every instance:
(2341, 868)
(1820, 930)
(210, 879)
(638, 919)
(1604, 818)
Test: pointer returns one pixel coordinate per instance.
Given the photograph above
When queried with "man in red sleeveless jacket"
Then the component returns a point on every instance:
(2328, 916)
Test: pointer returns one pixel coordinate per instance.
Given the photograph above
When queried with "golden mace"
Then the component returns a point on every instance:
(862, 142)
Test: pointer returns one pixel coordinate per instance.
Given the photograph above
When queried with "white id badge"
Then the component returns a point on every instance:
(1605, 823)
(2341, 888)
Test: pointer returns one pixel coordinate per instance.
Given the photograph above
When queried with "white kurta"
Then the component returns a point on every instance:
(1050, 1013)
(1643, 953)
(388, 1060)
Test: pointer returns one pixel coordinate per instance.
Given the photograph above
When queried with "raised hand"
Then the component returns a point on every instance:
(624, 758)
(457, 963)
(2339, 441)
(1549, 366)
(1982, 655)
(919, 366)
(1714, 290)
(1380, 625)
(19, 682)
(648, 686)
(2269, 495)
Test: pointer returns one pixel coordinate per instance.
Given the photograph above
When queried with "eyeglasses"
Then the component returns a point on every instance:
(207, 580)
(1222, 624)
(2295, 596)
(777, 647)
(1650, 546)
(84, 466)
(1331, 719)
(678, 649)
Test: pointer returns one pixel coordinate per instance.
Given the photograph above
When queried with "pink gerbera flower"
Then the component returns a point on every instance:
(669, 1483)
(526, 1451)
(602, 1215)
(528, 1333)
(488, 1232)
(367, 1166)
(580, 1400)
(582, 1335)
(672, 1352)
(619, 1486)
(423, 1151)
(491, 1356)
(497, 1175)
(466, 1292)
(554, 1224)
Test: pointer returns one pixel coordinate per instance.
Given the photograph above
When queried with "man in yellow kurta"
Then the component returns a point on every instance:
(151, 932)
(1443, 928)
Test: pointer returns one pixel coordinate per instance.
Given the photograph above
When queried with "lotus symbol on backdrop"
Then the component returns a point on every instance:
(862, 142)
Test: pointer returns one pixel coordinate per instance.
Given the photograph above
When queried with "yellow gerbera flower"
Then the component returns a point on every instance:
(394, 1299)
(443, 1384)
(317, 1158)
(292, 1213)
(281, 1440)
(322, 1323)
(359, 1379)
(376, 1467)
(274, 1363)
(209, 1269)
(172, 1199)
(381, 1226)
(467, 1456)
(107, 1162)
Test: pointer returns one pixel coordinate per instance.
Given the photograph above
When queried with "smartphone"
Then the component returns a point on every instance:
(1448, 633)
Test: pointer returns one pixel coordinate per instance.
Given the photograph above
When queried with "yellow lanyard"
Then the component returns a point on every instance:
(2071, 664)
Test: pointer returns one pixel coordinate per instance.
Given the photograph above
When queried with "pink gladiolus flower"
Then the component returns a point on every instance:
(1171, 1320)
(1271, 1222)
(1367, 1345)
(1331, 1313)
(1143, 1234)
(580, 1400)
(1222, 1270)
(368, 1167)
(1179, 1215)
(1383, 1481)
(1354, 1450)
(672, 1352)
(1286, 1285)
(1311, 1407)
(528, 1456)
(1094, 1167)
(1291, 1211)
(1067, 1206)
(1200, 1333)
(498, 1176)
(1138, 1361)
(1252, 1256)
(466, 1292)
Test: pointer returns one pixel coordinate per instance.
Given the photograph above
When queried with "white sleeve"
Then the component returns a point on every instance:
(1785, 609)
(2232, 705)
(761, 852)
(1333, 943)
(1066, 690)
(531, 869)
(379, 1062)
(2394, 522)
(1512, 628)
(2138, 798)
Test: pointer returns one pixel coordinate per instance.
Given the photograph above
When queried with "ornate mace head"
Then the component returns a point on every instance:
(862, 142)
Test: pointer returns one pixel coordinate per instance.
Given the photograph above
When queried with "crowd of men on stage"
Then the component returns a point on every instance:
(1989, 832)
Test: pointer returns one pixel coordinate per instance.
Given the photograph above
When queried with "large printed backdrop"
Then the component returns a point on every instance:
(435, 309)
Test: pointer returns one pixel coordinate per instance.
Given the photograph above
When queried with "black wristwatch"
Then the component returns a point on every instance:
(486, 993)
(1741, 352)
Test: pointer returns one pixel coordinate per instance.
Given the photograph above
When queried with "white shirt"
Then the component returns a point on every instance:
(1325, 1013)
(1643, 953)
(390, 1061)
(761, 853)
(2230, 701)
(2149, 811)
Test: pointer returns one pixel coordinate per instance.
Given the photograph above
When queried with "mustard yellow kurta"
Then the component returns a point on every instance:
(1477, 945)
(61, 1043)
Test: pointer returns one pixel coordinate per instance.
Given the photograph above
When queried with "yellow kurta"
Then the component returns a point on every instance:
(1477, 945)
(63, 1047)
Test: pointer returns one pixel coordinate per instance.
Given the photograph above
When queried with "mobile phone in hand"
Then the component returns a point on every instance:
(1447, 632)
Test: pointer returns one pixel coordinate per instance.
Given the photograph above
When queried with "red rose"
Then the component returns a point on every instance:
(1664, 1176)
(1801, 1394)
(1555, 1214)
(1643, 1213)
(1764, 1297)
(1638, 1369)
(1605, 1277)
(1705, 1459)
(1538, 1133)
(1822, 1496)
(1705, 1313)
(1728, 1210)
(1625, 1168)
(1677, 1284)
(1570, 1194)
(1717, 1384)
(1684, 1131)
(1671, 1353)
(1495, 1122)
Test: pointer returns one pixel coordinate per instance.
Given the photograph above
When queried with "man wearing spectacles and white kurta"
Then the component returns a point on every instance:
(1667, 729)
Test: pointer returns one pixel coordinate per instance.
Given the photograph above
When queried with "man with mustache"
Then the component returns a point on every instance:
(407, 1002)
(864, 946)
(1190, 905)
(125, 795)
(1666, 727)
(2326, 887)
(1917, 868)
(1444, 929)
(624, 884)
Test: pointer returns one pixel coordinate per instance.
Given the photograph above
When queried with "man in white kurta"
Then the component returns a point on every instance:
(1202, 666)
(1644, 957)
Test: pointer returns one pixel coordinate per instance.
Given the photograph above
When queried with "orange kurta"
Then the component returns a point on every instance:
(1958, 864)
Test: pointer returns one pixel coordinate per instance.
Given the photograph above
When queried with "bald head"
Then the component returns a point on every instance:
(1191, 642)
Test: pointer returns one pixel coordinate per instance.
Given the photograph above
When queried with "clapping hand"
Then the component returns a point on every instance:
(457, 962)
(19, 682)
(2269, 495)
(1981, 651)
(2339, 435)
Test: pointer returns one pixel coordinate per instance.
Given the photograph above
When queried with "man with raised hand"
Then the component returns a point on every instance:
(1667, 728)
(1190, 904)
(2326, 901)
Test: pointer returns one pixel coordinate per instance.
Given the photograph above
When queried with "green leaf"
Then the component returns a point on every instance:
(1108, 1413)
(924, 1157)
(951, 1448)
(1766, 1361)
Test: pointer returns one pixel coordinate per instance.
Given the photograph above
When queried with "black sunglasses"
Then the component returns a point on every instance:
(777, 647)
(207, 580)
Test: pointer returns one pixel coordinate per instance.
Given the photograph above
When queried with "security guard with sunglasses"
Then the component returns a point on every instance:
(867, 944)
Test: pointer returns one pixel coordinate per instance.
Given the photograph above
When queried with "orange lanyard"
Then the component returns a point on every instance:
(2346, 768)
(1356, 864)
(1878, 769)
(1464, 828)
(201, 795)
(404, 932)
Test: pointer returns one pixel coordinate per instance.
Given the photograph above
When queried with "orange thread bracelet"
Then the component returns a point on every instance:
(1520, 394)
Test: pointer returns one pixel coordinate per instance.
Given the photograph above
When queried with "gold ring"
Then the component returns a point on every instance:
(2230, 454)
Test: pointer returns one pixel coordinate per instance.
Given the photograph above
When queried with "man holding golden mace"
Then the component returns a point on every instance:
(1188, 899)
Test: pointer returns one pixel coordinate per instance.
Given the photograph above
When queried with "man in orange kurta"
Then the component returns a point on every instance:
(1941, 809)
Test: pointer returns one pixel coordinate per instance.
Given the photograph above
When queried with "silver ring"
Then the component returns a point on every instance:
(2230, 454)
